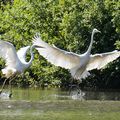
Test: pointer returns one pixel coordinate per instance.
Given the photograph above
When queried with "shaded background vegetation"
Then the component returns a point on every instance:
(67, 24)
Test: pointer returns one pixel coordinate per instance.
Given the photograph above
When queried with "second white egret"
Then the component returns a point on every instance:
(15, 61)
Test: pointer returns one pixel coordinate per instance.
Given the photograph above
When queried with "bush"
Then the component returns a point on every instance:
(67, 24)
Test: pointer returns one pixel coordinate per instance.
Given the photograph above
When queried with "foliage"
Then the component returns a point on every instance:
(68, 25)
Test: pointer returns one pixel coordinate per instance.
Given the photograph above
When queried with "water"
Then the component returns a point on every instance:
(36, 94)
(52, 104)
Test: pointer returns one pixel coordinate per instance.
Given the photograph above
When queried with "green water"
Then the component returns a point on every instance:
(35, 94)
(53, 104)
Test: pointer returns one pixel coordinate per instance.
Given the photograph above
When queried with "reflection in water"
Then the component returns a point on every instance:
(33, 94)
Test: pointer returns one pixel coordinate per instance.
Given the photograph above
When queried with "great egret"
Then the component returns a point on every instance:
(79, 65)
(15, 61)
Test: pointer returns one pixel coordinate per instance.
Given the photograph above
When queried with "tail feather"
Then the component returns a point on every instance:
(79, 73)
(8, 72)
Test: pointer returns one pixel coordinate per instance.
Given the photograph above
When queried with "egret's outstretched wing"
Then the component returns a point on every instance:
(8, 53)
(22, 53)
(55, 55)
(98, 61)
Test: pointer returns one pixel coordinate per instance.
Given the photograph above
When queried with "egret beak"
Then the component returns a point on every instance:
(99, 31)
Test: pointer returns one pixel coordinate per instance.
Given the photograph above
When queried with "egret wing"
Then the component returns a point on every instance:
(57, 56)
(22, 53)
(8, 53)
(98, 61)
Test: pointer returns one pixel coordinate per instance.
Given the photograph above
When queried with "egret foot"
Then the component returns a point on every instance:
(10, 95)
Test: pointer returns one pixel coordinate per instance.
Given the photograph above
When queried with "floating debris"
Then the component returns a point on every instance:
(9, 106)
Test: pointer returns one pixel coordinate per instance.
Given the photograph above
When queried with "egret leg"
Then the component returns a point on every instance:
(3, 85)
(71, 85)
(10, 85)
(10, 88)
(74, 88)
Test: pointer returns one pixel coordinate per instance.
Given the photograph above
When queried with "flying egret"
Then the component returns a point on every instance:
(15, 61)
(79, 65)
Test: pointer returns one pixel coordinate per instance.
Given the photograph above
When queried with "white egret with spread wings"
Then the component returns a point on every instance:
(15, 61)
(79, 65)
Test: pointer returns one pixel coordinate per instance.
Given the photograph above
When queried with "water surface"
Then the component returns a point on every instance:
(54, 104)
(37, 94)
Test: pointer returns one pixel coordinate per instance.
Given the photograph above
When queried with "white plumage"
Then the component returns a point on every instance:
(79, 65)
(15, 61)
(98, 61)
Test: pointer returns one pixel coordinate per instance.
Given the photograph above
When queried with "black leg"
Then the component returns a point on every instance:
(3, 85)
(10, 85)
(71, 85)
(74, 87)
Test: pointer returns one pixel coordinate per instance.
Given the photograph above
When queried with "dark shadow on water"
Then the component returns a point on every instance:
(102, 95)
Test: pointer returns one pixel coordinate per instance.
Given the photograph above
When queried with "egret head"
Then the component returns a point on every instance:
(96, 31)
